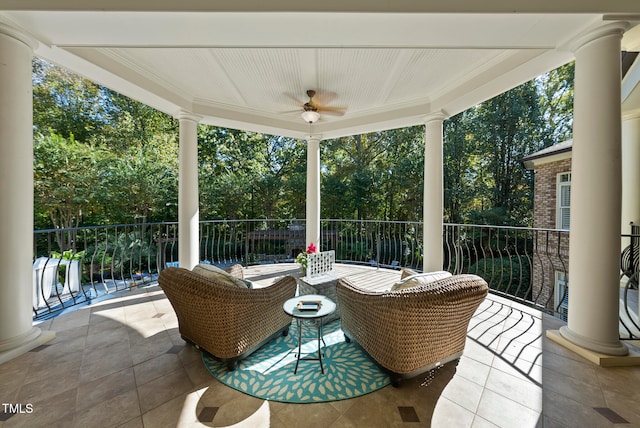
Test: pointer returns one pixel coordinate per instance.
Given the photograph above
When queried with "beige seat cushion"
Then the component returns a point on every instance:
(420, 279)
(217, 274)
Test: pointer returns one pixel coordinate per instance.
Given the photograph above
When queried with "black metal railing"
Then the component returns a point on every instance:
(391, 244)
(78, 265)
(630, 268)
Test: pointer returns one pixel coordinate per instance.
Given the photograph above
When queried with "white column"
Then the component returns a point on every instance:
(433, 193)
(596, 190)
(17, 334)
(630, 172)
(188, 201)
(313, 191)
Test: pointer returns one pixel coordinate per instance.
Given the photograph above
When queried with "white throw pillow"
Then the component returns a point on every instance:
(405, 272)
(420, 279)
(217, 274)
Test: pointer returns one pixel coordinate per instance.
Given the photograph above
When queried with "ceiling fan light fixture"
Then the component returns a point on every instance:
(310, 116)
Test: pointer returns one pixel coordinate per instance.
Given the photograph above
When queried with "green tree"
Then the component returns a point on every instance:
(459, 170)
(100, 157)
(248, 175)
(66, 103)
(294, 183)
(226, 159)
(130, 123)
(484, 180)
(556, 104)
(403, 186)
(142, 185)
(67, 180)
(356, 165)
(506, 129)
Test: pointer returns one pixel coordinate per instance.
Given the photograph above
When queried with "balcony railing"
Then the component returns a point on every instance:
(74, 266)
(630, 277)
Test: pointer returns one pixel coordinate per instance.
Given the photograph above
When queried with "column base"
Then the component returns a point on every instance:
(630, 358)
(610, 348)
(25, 343)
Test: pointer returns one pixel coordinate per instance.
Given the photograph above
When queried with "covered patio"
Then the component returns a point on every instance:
(122, 363)
(383, 65)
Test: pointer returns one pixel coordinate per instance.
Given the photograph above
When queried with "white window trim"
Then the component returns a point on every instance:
(560, 305)
(559, 207)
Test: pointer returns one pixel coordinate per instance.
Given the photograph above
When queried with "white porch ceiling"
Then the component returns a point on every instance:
(245, 69)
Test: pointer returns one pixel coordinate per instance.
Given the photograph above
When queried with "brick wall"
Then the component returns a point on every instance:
(551, 250)
(551, 254)
(544, 199)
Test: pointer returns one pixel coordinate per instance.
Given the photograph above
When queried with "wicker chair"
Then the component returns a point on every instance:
(225, 321)
(410, 331)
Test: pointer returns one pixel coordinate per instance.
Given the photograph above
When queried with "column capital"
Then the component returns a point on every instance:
(438, 115)
(18, 35)
(631, 115)
(610, 29)
(187, 115)
(313, 137)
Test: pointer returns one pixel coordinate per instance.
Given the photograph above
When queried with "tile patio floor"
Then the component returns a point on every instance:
(122, 363)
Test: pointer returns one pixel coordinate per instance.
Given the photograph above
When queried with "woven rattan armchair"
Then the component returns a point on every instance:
(225, 321)
(410, 331)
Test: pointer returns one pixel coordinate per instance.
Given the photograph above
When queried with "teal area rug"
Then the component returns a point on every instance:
(268, 373)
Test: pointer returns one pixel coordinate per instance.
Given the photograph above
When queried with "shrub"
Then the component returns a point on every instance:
(508, 275)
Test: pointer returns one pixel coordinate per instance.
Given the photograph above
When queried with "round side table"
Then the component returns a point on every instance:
(326, 307)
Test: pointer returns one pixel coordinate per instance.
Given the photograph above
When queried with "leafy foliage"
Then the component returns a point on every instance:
(485, 181)
(376, 175)
(65, 103)
(556, 101)
(103, 158)
(509, 275)
(67, 178)
(99, 157)
(247, 175)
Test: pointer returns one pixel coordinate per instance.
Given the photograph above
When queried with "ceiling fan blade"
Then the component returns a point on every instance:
(324, 97)
(332, 112)
(316, 102)
(294, 99)
(333, 108)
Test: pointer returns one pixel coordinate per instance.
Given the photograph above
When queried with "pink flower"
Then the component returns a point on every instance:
(311, 248)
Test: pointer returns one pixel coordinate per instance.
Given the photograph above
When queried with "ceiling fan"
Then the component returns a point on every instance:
(312, 109)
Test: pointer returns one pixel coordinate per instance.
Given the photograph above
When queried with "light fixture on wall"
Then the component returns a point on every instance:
(311, 115)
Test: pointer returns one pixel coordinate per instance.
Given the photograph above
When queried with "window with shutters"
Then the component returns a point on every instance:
(563, 214)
